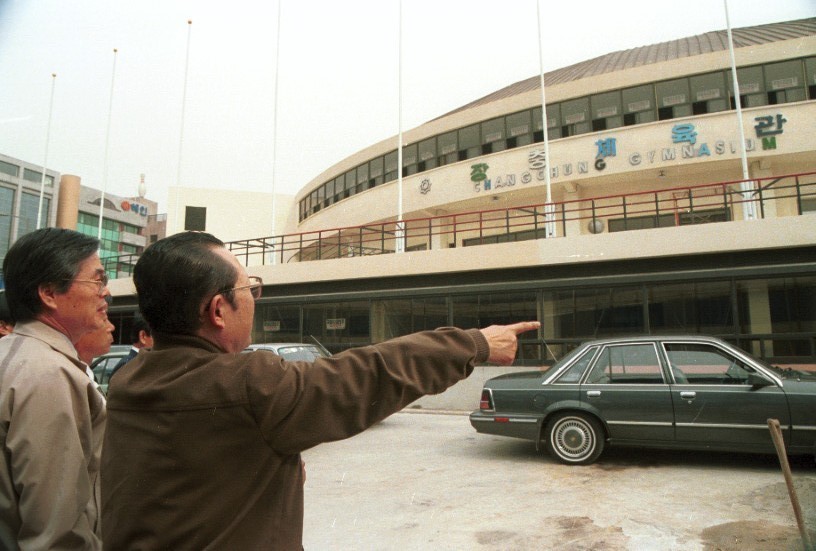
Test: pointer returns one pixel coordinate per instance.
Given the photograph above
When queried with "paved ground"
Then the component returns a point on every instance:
(422, 481)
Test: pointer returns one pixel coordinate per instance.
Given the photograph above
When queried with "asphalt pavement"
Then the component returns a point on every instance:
(428, 481)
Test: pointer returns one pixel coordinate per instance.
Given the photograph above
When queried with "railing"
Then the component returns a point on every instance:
(789, 195)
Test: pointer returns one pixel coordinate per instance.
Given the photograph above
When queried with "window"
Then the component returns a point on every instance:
(810, 77)
(390, 161)
(29, 206)
(697, 364)
(195, 219)
(6, 210)
(606, 111)
(751, 87)
(627, 364)
(703, 307)
(708, 93)
(590, 313)
(493, 136)
(785, 82)
(519, 130)
(576, 370)
(575, 117)
(375, 172)
(469, 146)
(362, 178)
(638, 105)
(10, 169)
(448, 148)
(673, 99)
(35, 176)
(350, 182)
(409, 160)
(427, 154)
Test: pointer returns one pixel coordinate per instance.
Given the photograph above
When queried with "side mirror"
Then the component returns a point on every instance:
(756, 380)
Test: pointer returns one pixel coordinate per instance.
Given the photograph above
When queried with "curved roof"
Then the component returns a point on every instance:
(709, 42)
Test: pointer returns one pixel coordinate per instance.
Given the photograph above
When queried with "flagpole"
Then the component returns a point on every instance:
(275, 133)
(746, 186)
(399, 245)
(45, 159)
(178, 226)
(549, 208)
(107, 147)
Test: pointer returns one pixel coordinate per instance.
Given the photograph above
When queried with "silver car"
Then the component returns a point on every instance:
(292, 351)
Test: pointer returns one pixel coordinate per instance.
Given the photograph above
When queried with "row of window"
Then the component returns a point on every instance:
(26, 218)
(770, 84)
(28, 174)
(111, 241)
(725, 308)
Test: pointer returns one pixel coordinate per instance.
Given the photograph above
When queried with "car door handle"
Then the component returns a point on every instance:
(688, 395)
(593, 393)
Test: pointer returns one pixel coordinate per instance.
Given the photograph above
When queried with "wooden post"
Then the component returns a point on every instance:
(779, 444)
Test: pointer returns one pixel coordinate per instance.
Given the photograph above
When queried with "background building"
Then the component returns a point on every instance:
(230, 215)
(129, 223)
(651, 226)
(20, 187)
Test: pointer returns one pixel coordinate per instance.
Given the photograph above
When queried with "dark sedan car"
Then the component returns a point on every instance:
(689, 392)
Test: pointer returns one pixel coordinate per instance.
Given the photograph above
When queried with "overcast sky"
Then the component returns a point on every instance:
(337, 80)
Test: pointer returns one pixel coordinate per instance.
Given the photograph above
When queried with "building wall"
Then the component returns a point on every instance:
(20, 189)
(638, 161)
(231, 215)
(124, 234)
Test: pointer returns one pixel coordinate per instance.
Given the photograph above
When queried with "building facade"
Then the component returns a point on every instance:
(21, 188)
(639, 220)
(129, 224)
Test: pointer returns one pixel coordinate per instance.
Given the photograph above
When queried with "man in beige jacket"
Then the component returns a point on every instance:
(52, 418)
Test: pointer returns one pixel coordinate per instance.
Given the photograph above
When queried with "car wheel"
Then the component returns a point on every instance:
(574, 438)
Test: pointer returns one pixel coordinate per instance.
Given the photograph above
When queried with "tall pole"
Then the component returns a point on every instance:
(399, 245)
(45, 157)
(549, 208)
(177, 222)
(107, 144)
(746, 186)
(275, 132)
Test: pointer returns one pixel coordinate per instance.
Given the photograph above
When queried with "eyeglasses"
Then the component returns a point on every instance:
(255, 287)
(100, 283)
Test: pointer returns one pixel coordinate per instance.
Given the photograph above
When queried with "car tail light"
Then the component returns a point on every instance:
(486, 402)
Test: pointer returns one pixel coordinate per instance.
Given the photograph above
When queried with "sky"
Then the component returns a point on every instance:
(331, 79)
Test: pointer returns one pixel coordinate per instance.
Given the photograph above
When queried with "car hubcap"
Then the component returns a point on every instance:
(573, 439)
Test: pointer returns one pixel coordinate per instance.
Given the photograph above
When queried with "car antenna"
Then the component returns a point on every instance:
(318, 343)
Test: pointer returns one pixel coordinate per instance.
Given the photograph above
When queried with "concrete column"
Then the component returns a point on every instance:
(68, 203)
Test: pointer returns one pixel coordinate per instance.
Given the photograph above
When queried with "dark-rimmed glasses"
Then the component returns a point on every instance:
(100, 283)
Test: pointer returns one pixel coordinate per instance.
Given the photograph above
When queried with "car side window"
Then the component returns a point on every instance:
(103, 369)
(704, 364)
(627, 364)
(574, 372)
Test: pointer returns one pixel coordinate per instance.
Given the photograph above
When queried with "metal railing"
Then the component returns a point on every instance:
(789, 195)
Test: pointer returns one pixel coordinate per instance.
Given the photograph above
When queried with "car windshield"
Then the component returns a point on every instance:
(300, 353)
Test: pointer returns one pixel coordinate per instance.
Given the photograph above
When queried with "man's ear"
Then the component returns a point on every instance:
(48, 295)
(214, 313)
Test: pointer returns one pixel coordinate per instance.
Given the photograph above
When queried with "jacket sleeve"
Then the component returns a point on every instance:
(49, 439)
(299, 405)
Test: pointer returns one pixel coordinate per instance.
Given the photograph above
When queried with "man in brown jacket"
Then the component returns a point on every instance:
(202, 449)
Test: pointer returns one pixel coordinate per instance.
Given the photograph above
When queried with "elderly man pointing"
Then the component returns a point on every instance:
(202, 449)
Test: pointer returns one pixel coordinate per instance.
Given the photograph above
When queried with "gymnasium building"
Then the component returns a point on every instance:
(635, 216)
